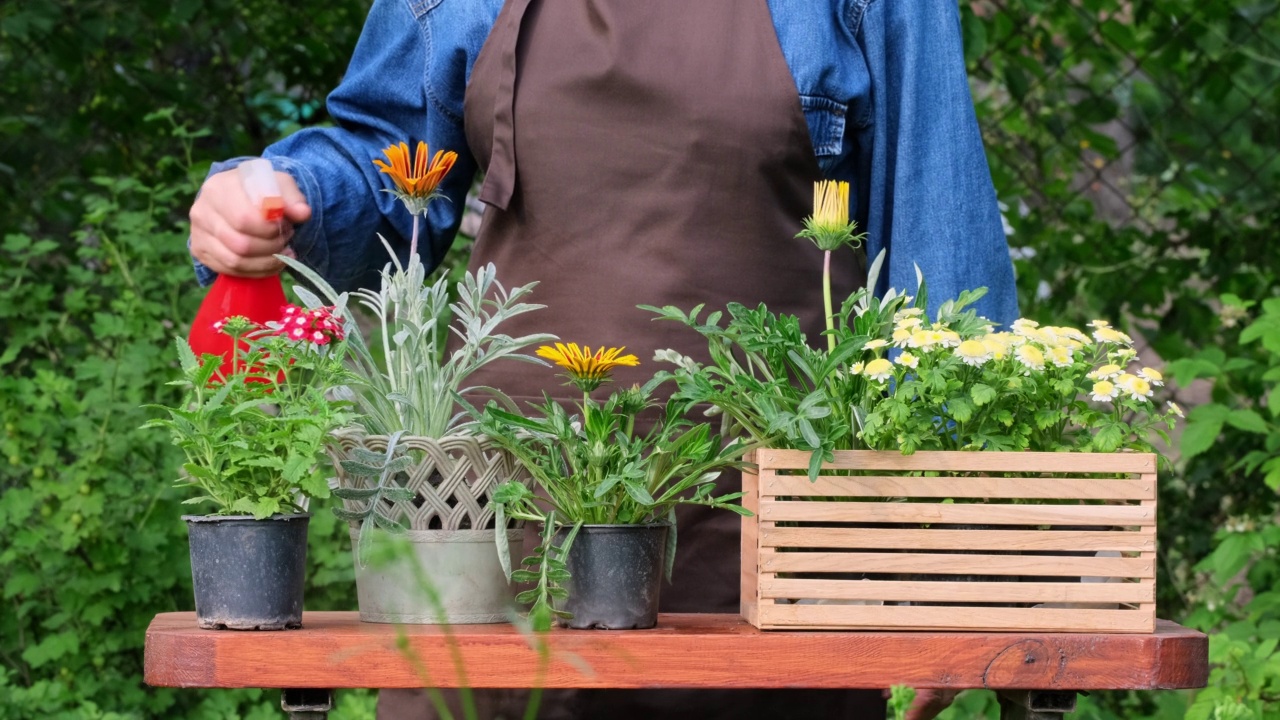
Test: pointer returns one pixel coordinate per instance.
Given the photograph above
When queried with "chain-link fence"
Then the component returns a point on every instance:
(1137, 113)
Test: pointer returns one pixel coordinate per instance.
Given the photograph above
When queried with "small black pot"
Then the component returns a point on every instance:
(616, 575)
(248, 574)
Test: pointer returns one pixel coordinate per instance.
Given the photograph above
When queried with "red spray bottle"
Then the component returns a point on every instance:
(259, 299)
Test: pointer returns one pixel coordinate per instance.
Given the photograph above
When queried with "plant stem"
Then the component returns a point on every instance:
(413, 241)
(826, 299)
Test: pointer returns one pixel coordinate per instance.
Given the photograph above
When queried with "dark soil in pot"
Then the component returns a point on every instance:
(248, 574)
(616, 574)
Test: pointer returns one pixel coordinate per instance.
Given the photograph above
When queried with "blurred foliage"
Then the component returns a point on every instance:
(1133, 143)
(94, 284)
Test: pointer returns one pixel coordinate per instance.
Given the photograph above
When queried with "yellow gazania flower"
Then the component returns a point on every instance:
(416, 180)
(829, 227)
(587, 370)
(879, 370)
(906, 359)
(973, 352)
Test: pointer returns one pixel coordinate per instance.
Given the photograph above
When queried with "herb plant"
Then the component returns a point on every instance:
(253, 433)
(895, 378)
(598, 467)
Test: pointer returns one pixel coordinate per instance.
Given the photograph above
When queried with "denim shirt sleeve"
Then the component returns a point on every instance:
(926, 191)
(384, 98)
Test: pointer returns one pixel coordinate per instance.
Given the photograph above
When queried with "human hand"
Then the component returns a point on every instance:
(229, 234)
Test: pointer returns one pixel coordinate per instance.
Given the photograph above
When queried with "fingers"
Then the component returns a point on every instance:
(296, 209)
(230, 235)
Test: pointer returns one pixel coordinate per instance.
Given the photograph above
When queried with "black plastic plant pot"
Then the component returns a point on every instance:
(248, 574)
(616, 573)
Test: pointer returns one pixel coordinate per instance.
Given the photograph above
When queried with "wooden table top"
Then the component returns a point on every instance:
(336, 650)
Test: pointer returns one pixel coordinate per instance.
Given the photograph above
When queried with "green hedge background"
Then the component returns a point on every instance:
(1133, 143)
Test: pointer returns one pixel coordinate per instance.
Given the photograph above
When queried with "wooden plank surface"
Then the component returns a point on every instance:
(933, 539)
(945, 619)
(959, 487)
(905, 512)
(958, 592)
(335, 650)
(1070, 463)
(772, 561)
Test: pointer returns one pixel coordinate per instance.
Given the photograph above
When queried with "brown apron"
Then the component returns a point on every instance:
(655, 153)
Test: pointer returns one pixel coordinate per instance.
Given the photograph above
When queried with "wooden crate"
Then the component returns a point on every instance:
(1065, 542)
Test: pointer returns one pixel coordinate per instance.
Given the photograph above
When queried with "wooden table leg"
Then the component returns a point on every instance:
(306, 704)
(1036, 704)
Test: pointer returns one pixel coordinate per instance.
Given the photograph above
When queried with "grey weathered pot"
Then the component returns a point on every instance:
(458, 579)
(248, 574)
(615, 576)
(450, 532)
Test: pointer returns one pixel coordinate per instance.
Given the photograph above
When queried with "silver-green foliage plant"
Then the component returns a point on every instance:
(404, 380)
(254, 433)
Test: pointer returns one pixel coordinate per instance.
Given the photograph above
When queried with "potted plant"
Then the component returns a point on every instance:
(881, 489)
(413, 465)
(253, 434)
(610, 478)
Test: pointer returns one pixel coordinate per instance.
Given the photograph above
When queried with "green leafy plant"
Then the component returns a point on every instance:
(1239, 599)
(954, 383)
(599, 467)
(253, 433)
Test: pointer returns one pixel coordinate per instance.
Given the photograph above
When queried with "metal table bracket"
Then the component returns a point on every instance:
(306, 704)
(1036, 704)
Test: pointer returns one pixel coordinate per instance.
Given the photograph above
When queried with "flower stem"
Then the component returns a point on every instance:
(413, 241)
(826, 299)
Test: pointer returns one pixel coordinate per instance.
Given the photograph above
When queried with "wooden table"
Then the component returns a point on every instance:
(336, 650)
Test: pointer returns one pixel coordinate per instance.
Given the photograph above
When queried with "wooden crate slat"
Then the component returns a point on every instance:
(939, 539)
(904, 545)
(967, 514)
(950, 618)
(1001, 462)
(772, 561)
(957, 592)
(953, 487)
(749, 569)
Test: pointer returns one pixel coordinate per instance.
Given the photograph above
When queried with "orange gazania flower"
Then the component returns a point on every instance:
(416, 180)
(587, 370)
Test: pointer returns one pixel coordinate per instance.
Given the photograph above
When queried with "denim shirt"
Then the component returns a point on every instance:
(882, 84)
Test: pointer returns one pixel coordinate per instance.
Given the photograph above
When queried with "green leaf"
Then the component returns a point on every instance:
(1108, 438)
(1248, 420)
(1199, 436)
(982, 394)
(960, 408)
